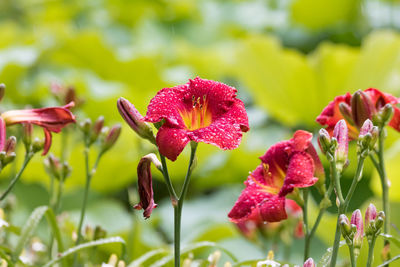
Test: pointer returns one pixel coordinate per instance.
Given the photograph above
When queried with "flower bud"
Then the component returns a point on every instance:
(37, 145)
(361, 108)
(309, 263)
(356, 219)
(341, 134)
(111, 137)
(379, 220)
(86, 126)
(324, 141)
(53, 166)
(2, 90)
(135, 120)
(96, 130)
(27, 135)
(386, 114)
(10, 144)
(345, 110)
(344, 225)
(370, 215)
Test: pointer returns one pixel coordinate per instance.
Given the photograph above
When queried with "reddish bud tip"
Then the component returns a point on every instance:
(134, 119)
(341, 133)
(361, 108)
(356, 219)
(2, 90)
(370, 214)
(112, 137)
(309, 263)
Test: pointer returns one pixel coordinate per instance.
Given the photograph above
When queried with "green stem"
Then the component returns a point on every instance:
(384, 183)
(171, 190)
(354, 183)
(338, 190)
(371, 251)
(89, 175)
(28, 157)
(352, 256)
(305, 223)
(178, 207)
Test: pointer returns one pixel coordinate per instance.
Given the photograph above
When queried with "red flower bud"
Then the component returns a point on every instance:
(370, 214)
(361, 107)
(356, 219)
(340, 132)
(111, 137)
(135, 120)
(2, 90)
(309, 263)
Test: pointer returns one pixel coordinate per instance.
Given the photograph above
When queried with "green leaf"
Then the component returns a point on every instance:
(192, 247)
(91, 244)
(392, 239)
(138, 262)
(326, 258)
(395, 258)
(28, 230)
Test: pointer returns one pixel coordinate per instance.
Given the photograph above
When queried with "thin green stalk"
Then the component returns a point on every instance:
(171, 190)
(28, 157)
(338, 190)
(384, 182)
(354, 183)
(305, 223)
(89, 175)
(371, 251)
(352, 256)
(321, 212)
(178, 207)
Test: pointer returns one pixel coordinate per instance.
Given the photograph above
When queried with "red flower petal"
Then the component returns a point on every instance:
(166, 105)
(256, 205)
(300, 173)
(171, 141)
(47, 141)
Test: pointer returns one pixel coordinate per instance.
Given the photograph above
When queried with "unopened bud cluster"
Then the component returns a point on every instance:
(8, 153)
(32, 144)
(97, 132)
(367, 139)
(373, 222)
(57, 169)
(336, 147)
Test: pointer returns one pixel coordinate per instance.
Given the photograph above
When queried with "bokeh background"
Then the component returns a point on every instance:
(287, 58)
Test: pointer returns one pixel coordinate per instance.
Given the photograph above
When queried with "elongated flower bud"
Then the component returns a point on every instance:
(27, 135)
(324, 141)
(135, 120)
(361, 108)
(111, 137)
(341, 134)
(370, 214)
(367, 139)
(345, 110)
(2, 90)
(386, 114)
(344, 225)
(96, 130)
(309, 263)
(356, 219)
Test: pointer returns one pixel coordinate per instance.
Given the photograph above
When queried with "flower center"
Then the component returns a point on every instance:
(198, 116)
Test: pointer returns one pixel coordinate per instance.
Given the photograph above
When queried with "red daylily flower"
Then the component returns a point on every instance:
(356, 108)
(51, 119)
(201, 111)
(285, 166)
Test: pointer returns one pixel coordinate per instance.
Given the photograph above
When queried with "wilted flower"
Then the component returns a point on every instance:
(355, 109)
(201, 111)
(145, 184)
(285, 166)
(51, 119)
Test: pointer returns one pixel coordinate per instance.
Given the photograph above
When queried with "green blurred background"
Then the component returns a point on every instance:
(287, 59)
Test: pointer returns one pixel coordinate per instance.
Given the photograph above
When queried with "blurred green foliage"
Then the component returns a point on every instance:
(287, 59)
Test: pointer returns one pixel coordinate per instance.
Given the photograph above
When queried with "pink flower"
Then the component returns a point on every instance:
(309, 263)
(201, 111)
(51, 119)
(356, 108)
(285, 166)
